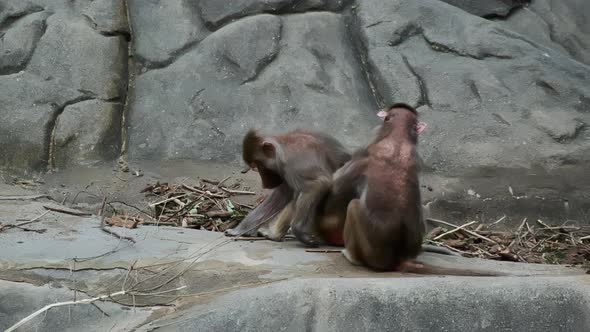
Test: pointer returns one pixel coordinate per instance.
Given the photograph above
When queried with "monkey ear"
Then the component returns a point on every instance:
(382, 114)
(420, 126)
(268, 149)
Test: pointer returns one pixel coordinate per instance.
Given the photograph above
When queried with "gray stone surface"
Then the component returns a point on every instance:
(488, 8)
(497, 93)
(270, 72)
(56, 54)
(217, 13)
(108, 17)
(20, 41)
(557, 24)
(74, 259)
(506, 99)
(87, 132)
(163, 29)
(21, 299)
(492, 98)
(424, 304)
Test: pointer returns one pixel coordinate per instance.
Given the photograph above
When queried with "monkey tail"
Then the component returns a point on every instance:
(438, 250)
(421, 268)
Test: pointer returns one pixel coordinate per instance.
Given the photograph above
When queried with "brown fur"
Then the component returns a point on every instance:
(300, 163)
(384, 228)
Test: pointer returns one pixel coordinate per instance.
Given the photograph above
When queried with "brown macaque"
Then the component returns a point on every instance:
(332, 213)
(298, 167)
(384, 227)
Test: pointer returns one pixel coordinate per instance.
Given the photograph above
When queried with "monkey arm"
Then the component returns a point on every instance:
(306, 208)
(349, 176)
(274, 203)
(310, 176)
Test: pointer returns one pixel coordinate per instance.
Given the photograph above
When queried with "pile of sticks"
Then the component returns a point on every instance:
(209, 206)
(206, 206)
(531, 242)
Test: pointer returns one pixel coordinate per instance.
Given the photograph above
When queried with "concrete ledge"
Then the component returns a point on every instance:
(409, 304)
(259, 286)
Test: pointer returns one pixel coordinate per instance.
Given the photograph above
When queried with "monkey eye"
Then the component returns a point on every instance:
(387, 118)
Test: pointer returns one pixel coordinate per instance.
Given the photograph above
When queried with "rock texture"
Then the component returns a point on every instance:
(216, 285)
(56, 54)
(492, 97)
(264, 71)
(87, 131)
(503, 84)
(488, 8)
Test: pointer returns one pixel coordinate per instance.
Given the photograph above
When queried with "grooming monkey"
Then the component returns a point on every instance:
(297, 166)
(384, 227)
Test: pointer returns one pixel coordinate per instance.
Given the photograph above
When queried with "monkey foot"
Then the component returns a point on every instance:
(273, 236)
(236, 232)
(308, 239)
(230, 232)
(408, 266)
(349, 258)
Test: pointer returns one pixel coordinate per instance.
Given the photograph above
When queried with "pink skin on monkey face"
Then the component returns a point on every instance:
(420, 126)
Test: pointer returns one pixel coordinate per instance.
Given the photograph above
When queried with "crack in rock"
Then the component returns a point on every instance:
(404, 34)
(360, 51)
(128, 77)
(474, 89)
(175, 55)
(500, 119)
(266, 61)
(22, 65)
(424, 98)
(52, 125)
(548, 88)
(264, 7)
(72, 270)
(9, 20)
(376, 23)
(114, 33)
(439, 47)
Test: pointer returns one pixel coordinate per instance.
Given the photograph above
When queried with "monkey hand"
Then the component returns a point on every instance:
(306, 237)
(238, 232)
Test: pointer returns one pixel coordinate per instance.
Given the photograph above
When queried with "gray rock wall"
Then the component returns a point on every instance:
(63, 81)
(492, 97)
(502, 84)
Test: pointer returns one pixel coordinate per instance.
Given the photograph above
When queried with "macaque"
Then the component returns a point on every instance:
(331, 216)
(298, 167)
(384, 227)
(273, 217)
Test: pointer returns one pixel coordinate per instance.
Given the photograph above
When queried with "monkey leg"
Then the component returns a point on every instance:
(352, 240)
(331, 219)
(274, 203)
(438, 250)
(277, 229)
(350, 258)
(306, 208)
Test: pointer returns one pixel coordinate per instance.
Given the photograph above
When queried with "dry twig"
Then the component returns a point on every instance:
(454, 230)
(463, 230)
(37, 218)
(66, 210)
(22, 198)
(324, 250)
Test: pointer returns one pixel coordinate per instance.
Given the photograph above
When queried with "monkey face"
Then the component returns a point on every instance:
(387, 116)
(270, 179)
